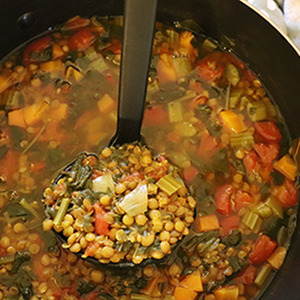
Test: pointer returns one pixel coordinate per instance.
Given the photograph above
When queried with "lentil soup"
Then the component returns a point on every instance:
(206, 113)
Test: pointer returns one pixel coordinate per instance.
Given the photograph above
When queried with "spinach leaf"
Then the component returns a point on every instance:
(220, 163)
(50, 241)
(62, 280)
(85, 287)
(233, 239)
(17, 135)
(3, 150)
(20, 258)
(277, 178)
(24, 284)
(203, 112)
(42, 56)
(16, 210)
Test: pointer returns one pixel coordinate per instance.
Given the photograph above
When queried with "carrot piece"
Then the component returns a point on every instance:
(207, 223)
(37, 166)
(152, 287)
(52, 66)
(277, 257)
(32, 113)
(185, 41)
(57, 52)
(181, 293)
(106, 104)
(232, 121)
(165, 70)
(4, 82)
(230, 292)
(193, 282)
(61, 112)
(16, 118)
(286, 166)
(9, 165)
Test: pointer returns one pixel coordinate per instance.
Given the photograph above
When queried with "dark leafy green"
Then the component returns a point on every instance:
(85, 287)
(20, 258)
(278, 178)
(233, 239)
(16, 210)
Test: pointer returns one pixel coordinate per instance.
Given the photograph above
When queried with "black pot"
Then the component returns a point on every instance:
(233, 22)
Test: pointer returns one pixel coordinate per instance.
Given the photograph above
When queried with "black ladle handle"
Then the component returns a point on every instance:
(139, 24)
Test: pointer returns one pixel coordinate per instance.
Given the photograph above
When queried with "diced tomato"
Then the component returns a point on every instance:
(189, 173)
(247, 276)
(251, 162)
(242, 199)
(210, 69)
(235, 61)
(287, 194)
(37, 166)
(96, 174)
(37, 46)
(81, 40)
(267, 152)
(249, 75)
(197, 101)
(229, 223)
(262, 249)
(268, 131)
(76, 23)
(208, 146)
(174, 137)
(132, 177)
(115, 46)
(2, 251)
(91, 249)
(222, 197)
(155, 115)
(101, 226)
(9, 165)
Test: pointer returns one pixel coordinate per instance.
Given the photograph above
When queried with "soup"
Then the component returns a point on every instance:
(206, 112)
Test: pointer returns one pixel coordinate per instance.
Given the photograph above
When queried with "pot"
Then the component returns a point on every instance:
(234, 23)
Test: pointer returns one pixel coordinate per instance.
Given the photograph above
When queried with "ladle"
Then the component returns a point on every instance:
(139, 24)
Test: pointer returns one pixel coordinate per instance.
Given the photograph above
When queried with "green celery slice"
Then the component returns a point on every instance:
(169, 184)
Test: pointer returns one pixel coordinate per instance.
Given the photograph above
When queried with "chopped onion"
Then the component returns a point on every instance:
(104, 184)
(135, 202)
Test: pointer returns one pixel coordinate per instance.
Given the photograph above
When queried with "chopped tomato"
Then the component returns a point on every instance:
(81, 40)
(37, 46)
(287, 194)
(222, 197)
(174, 137)
(251, 162)
(132, 177)
(247, 276)
(210, 69)
(37, 166)
(91, 249)
(262, 249)
(155, 115)
(96, 174)
(242, 199)
(9, 165)
(197, 101)
(189, 173)
(2, 251)
(76, 23)
(229, 223)
(235, 61)
(208, 146)
(249, 75)
(267, 152)
(268, 131)
(115, 46)
(101, 226)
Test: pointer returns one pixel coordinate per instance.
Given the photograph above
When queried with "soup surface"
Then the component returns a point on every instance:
(206, 113)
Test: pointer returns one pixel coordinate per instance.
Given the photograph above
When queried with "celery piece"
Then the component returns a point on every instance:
(263, 275)
(209, 45)
(186, 129)
(169, 184)
(244, 140)
(135, 202)
(271, 109)
(244, 102)
(104, 184)
(175, 112)
(99, 64)
(257, 111)
(91, 53)
(182, 66)
(7, 259)
(234, 98)
(12, 99)
(232, 74)
(173, 38)
(61, 211)
(273, 203)
(28, 207)
(252, 220)
(264, 210)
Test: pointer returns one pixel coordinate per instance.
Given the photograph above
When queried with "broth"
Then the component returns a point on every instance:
(205, 111)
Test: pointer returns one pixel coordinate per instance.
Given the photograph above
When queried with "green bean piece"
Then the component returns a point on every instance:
(263, 275)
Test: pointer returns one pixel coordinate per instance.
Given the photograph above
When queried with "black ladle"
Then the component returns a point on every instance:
(139, 24)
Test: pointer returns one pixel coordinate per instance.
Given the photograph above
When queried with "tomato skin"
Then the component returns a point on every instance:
(251, 162)
(249, 75)
(189, 173)
(155, 116)
(36, 46)
(222, 199)
(209, 69)
(287, 194)
(247, 276)
(208, 146)
(81, 40)
(262, 249)
(242, 199)
(101, 226)
(267, 152)
(268, 131)
(76, 23)
(229, 223)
